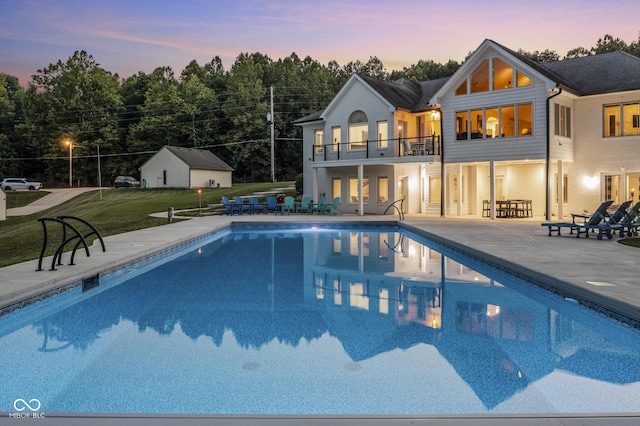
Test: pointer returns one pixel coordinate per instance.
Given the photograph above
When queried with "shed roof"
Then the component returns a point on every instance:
(199, 158)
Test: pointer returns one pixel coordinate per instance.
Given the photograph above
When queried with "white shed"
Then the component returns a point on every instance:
(176, 167)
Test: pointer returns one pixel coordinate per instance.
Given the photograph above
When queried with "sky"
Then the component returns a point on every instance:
(129, 36)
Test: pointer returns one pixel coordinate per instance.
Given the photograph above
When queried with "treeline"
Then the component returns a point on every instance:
(206, 106)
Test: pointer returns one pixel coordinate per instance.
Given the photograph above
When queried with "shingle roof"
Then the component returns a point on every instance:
(603, 73)
(199, 158)
(311, 117)
(590, 75)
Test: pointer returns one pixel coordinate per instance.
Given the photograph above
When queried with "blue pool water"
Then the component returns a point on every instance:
(339, 321)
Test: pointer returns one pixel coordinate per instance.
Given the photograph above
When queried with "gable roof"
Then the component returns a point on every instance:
(198, 158)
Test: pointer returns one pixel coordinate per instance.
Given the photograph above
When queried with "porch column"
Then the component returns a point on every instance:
(314, 185)
(623, 185)
(360, 200)
(492, 190)
(560, 189)
(459, 191)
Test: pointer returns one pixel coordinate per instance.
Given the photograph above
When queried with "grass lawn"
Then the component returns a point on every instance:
(119, 210)
(22, 198)
(633, 242)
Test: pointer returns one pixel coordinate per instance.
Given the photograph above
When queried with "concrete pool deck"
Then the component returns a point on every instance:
(602, 271)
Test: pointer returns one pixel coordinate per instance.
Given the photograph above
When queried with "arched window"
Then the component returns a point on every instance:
(358, 130)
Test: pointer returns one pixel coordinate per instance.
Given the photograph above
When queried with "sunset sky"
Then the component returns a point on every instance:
(127, 36)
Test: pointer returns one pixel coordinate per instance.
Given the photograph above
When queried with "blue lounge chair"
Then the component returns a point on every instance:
(256, 207)
(620, 212)
(630, 222)
(305, 205)
(230, 208)
(584, 222)
(332, 209)
(240, 205)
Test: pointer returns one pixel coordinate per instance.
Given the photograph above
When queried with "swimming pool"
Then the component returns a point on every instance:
(362, 321)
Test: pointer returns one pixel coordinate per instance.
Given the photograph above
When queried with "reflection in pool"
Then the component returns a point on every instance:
(362, 321)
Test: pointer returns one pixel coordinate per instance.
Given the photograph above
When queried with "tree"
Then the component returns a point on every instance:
(198, 108)
(248, 151)
(609, 44)
(11, 98)
(537, 56)
(78, 101)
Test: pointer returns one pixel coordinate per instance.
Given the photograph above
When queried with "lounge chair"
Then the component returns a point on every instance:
(620, 212)
(585, 223)
(240, 205)
(630, 222)
(288, 206)
(305, 205)
(256, 207)
(230, 208)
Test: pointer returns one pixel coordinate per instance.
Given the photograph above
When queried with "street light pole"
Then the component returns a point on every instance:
(70, 163)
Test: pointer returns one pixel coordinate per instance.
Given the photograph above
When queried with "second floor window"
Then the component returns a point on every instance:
(358, 130)
(317, 142)
(335, 138)
(622, 119)
(383, 134)
(562, 120)
(501, 122)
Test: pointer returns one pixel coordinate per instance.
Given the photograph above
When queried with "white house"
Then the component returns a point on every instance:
(502, 128)
(176, 167)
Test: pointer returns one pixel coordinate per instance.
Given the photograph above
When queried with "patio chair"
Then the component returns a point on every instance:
(230, 208)
(332, 208)
(240, 204)
(256, 207)
(305, 205)
(288, 206)
(318, 208)
(588, 222)
(272, 204)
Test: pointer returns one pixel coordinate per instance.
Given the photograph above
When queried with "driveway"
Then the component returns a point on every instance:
(55, 197)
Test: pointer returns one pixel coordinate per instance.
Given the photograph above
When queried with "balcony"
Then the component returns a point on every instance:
(417, 148)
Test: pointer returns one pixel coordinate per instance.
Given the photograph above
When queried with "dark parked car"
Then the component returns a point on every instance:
(125, 182)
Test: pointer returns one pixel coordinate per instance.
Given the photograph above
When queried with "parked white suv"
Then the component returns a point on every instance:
(15, 184)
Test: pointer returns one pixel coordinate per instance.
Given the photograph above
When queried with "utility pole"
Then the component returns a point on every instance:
(273, 158)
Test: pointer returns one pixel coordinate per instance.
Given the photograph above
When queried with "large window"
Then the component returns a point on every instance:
(612, 188)
(493, 74)
(562, 120)
(353, 190)
(383, 134)
(505, 122)
(622, 119)
(358, 130)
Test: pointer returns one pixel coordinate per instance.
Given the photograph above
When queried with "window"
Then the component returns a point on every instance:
(631, 116)
(335, 138)
(317, 142)
(622, 119)
(383, 134)
(505, 121)
(562, 120)
(502, 75)
(336, 187)
(480, 78)
(383, 190)
(462, 125)
(358, 130)
(493, 74)
(612, 188)
(353, 190)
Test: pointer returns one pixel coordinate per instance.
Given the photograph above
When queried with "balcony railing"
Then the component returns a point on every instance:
(400, 147)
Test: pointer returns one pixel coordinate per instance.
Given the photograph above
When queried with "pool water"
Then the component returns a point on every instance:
(363, 321)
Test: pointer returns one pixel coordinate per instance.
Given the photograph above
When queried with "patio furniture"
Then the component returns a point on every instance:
(583, 224)
(240, 204)
(256, 207)
(230, 208)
